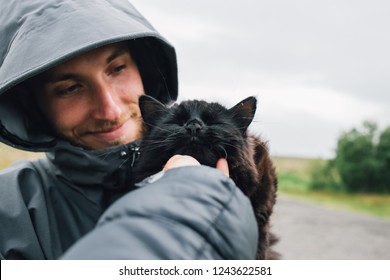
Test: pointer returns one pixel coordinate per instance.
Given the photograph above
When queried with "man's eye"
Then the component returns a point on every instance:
(69, 90)
(119, 68)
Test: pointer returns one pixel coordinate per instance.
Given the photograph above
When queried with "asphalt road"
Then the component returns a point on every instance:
(311, 232)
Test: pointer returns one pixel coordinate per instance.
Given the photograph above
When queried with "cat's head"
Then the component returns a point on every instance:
(206, 131)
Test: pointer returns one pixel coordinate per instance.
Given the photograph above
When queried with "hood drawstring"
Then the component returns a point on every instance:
(136, 154)
(132, 152)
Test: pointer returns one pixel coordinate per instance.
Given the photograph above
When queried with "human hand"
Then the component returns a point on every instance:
(183, 160)
(180, 161)
(223, 166)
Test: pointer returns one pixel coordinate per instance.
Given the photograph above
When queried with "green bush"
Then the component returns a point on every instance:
(356, 159)
(383, 155)
(324, 177)
(362, 163)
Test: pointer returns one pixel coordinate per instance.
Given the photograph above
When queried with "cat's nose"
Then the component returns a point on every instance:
(193, 126)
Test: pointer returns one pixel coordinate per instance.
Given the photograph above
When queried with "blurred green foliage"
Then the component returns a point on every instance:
(361, 165)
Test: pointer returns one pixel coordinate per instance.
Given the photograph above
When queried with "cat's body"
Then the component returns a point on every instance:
(209, 131)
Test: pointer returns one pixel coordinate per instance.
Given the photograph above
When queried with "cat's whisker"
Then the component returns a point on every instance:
(155, 126)
(164, 81)
(157, 144)
(126, 160)
(167, 139)
(106, 154)
(224, 150)
(230, 145)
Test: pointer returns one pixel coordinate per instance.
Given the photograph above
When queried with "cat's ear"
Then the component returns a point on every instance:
(151, 109)
(244, 112)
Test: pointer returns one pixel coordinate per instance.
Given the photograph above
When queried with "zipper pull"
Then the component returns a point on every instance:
(136, 154)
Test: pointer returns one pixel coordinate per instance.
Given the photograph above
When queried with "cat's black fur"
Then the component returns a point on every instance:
(209, 131)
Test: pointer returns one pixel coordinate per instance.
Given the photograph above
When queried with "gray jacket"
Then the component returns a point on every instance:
(80, 204)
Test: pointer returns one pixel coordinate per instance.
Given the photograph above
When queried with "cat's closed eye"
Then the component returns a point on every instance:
(208, 118)
(181, 117)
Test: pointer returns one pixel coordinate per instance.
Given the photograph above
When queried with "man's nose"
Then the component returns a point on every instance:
(106, 103)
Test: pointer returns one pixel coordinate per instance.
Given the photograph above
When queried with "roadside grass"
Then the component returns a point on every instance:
(9, 155)
(294, 178)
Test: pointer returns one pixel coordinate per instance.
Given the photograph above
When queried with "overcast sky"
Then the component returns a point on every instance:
(318, 68)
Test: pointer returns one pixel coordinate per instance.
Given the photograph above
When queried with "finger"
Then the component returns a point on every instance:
(223, 166)
(180, 161)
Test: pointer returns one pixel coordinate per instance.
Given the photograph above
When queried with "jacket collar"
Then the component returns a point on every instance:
(109, 168)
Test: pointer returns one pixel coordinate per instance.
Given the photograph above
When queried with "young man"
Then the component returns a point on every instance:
(70, 77)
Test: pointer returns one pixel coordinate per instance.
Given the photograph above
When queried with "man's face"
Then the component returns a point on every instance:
(92, 100)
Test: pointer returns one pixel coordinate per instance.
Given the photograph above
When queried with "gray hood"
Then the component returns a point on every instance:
(39, 34)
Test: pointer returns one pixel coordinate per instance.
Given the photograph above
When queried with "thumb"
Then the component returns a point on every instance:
(223, 166)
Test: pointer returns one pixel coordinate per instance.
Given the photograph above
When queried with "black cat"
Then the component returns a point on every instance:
(207, 132)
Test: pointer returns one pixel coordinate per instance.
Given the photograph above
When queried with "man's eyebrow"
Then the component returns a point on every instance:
(54, 78)
(116, 53)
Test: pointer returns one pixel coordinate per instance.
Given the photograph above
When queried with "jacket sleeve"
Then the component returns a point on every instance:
(183, 213)
(25, 229)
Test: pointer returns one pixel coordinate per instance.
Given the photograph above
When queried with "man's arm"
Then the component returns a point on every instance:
(191, 212)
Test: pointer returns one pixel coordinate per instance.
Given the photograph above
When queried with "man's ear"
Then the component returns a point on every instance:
(151, 109)
(244, 112)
